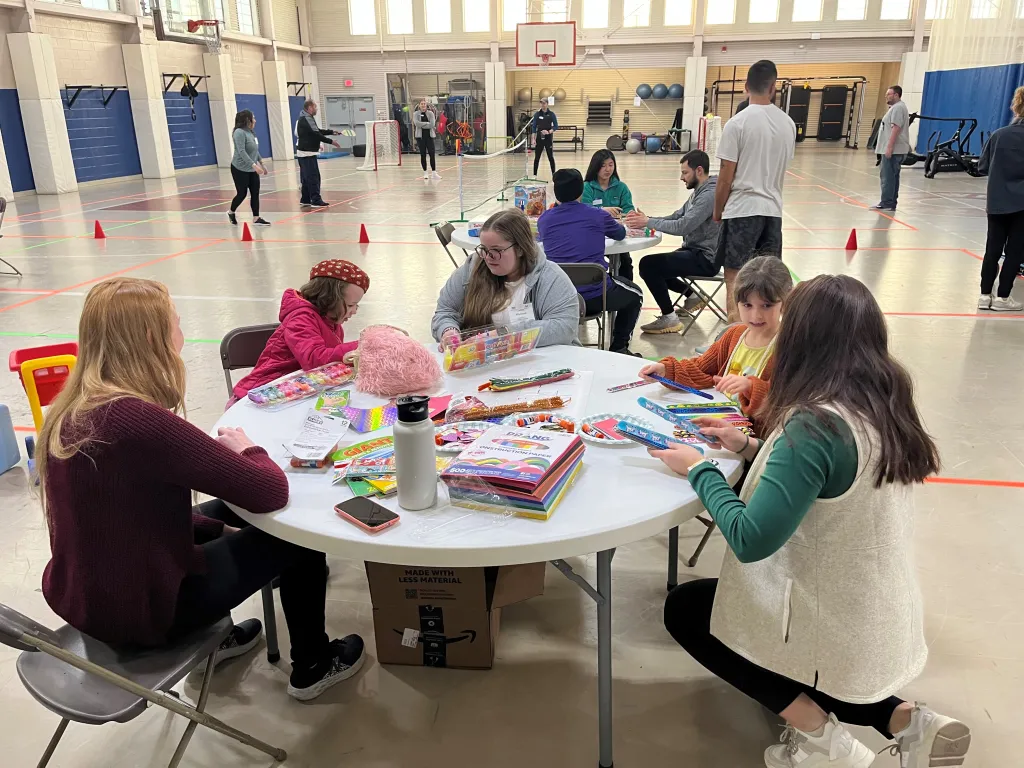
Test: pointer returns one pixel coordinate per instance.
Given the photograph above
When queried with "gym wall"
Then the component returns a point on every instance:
(15, 146)
(247, 71)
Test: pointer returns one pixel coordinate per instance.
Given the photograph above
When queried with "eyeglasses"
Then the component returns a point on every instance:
(495, 253)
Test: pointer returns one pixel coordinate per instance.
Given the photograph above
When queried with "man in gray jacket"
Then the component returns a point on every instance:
(696, 258)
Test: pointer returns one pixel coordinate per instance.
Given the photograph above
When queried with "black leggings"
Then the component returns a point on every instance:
(625, 300)
(688, 620)
(240, 564)
(426, 145)
(544, 144)
(1005, 234)
(246, 181)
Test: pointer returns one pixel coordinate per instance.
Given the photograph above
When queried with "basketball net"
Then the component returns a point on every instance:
(211, 33)
(545, 59)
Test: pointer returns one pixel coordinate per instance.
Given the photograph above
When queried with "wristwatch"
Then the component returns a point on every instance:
(703, 460)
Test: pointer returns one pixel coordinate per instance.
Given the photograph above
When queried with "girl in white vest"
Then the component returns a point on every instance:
(817, 613)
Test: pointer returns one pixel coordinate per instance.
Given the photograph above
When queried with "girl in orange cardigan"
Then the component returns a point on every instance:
(739, 364)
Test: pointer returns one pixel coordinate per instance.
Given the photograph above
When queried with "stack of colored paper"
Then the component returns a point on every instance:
(521, 469)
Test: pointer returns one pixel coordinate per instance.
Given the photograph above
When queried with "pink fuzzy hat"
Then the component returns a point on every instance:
(390, 363)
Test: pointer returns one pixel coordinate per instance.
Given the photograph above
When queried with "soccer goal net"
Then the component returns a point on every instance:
(708, 135)
(383, 145)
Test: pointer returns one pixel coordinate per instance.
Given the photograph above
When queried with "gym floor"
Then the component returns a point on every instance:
(538, 705)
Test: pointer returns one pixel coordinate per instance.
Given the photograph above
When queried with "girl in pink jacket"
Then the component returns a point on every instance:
(310, 334)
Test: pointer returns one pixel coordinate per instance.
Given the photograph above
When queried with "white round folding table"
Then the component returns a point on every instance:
(622, 495)
(461, 238)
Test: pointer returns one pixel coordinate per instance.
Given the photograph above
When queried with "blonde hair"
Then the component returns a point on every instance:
(486, 293)
(1017, 105)
(125, 349)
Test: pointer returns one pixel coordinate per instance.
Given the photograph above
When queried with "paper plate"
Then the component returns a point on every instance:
(629, 418)
(464, 426)
(510, 421)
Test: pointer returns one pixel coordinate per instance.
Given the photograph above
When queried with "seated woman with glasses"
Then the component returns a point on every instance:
(508, 282)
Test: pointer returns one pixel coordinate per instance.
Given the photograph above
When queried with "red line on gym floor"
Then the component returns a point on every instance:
(841, 248)
(372, 242)
(866, 207)
(112, 274)
(975, 482)
(796, 176)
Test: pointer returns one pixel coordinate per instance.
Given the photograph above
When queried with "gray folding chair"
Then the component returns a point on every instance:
(708, 301)
(583, 275)
(444, 231)
(83, 680)
(14, 271)
(241, 348)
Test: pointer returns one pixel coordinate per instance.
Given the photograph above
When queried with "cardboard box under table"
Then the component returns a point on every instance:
(445, 617)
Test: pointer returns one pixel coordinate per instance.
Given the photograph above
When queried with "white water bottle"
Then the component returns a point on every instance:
(415, 452)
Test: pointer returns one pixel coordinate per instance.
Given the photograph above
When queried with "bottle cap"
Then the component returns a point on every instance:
(413, 409)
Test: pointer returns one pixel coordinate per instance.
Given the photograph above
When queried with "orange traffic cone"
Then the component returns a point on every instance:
(851, 244)
(363, 237)
(98, 232)
(246, 234)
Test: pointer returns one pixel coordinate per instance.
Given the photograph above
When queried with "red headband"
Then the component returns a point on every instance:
(340, 269)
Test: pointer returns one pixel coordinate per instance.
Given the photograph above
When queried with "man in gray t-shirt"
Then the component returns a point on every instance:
(894, 146)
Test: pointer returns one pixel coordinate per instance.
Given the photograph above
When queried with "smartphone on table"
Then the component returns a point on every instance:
(366, 514)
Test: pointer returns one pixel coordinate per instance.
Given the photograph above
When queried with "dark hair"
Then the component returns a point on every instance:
(568, 185)
(761, 77)
(307, 104)
(600, 158)
(697, 158)
(766, 276)
(898, 90)
(245, 120)
(833, 350)
(327, 294)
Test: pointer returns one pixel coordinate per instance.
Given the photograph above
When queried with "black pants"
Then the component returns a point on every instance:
(309, 179)
(688, 620)
(625, 299)
(544, 144)
(240, 564)
(661, 273)
(246, 181)
(1005, 235)
(426, 145)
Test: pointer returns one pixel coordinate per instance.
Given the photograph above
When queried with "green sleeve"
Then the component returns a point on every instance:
(809, 461)
(626, 200)
(588, 194)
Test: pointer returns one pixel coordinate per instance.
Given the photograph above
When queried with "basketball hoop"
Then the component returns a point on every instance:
(545, 59)
(211, 32)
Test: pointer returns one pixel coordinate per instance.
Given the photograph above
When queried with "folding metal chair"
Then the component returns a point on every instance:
(591, 274)
(86, 681)
(241, 348)
(707, 299)
(14, 270)
(444, 230)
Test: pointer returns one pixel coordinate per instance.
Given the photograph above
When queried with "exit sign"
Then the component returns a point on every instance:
(348, 83)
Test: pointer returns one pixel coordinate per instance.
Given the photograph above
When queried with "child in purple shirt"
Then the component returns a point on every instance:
(573, 233)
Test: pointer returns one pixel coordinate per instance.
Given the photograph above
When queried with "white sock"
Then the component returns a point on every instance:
(817, 734)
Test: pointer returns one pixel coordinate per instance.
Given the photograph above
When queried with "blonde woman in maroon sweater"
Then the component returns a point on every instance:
(132, 561)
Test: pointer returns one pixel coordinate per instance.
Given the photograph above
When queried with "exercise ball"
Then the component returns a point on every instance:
(633, 146)
(643, 91)
(653, 144)
(524, 94)
(545, 93)
(660, 91)
(560, 94)
(675, 91)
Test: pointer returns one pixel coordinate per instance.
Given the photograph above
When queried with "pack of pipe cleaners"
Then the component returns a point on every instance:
(484, 412)
(506, 384)
(300, 385)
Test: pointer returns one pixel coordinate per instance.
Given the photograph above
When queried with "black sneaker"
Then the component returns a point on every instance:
(625, 351)
(303, 204)
(259, 221)
(232, 219)
(345, 657)
(243, 638)
(320, 204)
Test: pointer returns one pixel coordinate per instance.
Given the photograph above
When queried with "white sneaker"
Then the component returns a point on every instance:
(426, 175)
(1009, 304)
(932, 740)
(436, 175)
(985, 301)
(835, 748)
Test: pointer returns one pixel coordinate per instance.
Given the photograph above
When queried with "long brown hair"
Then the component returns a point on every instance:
(245, 120)
(833, 350)
(485, 293)
(1017, 105)
(125, 349)
(327, 294)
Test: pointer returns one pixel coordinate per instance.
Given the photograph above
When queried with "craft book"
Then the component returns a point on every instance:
(514, 457)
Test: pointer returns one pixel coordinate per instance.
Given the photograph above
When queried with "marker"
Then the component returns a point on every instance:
(631, 385)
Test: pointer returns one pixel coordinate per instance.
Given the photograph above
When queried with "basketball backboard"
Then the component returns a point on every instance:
(551, 43)
(176, 15)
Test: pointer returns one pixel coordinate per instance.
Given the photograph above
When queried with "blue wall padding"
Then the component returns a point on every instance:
(257, 104)
(191, 140)
(295, 107)
(15, 146)
(102, 138)
(983, 93)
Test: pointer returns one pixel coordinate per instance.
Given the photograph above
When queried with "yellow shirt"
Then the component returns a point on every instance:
(749, 361)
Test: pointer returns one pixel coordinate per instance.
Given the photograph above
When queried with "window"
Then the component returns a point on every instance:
(553, 10)
(514, 13)
(246, 23)
(360, 20)
(636, 13)
(399, 17)
(895, 10)
(476, 17)
(806, 10)
(936, 9)
(851, 10)
(595, 13)
(764, 11)
(1020, 9)
(721, 12)
(984, 9)
(678, 13)
(100, 5)
(439, 16)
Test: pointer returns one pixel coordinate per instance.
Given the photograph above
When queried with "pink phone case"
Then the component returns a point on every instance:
(360, 524)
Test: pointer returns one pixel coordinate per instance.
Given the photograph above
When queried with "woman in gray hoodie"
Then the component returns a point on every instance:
(424, 121)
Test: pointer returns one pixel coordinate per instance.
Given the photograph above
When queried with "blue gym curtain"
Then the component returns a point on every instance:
(983, 93)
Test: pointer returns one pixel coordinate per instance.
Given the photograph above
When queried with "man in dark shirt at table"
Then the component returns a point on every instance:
(573, 233)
